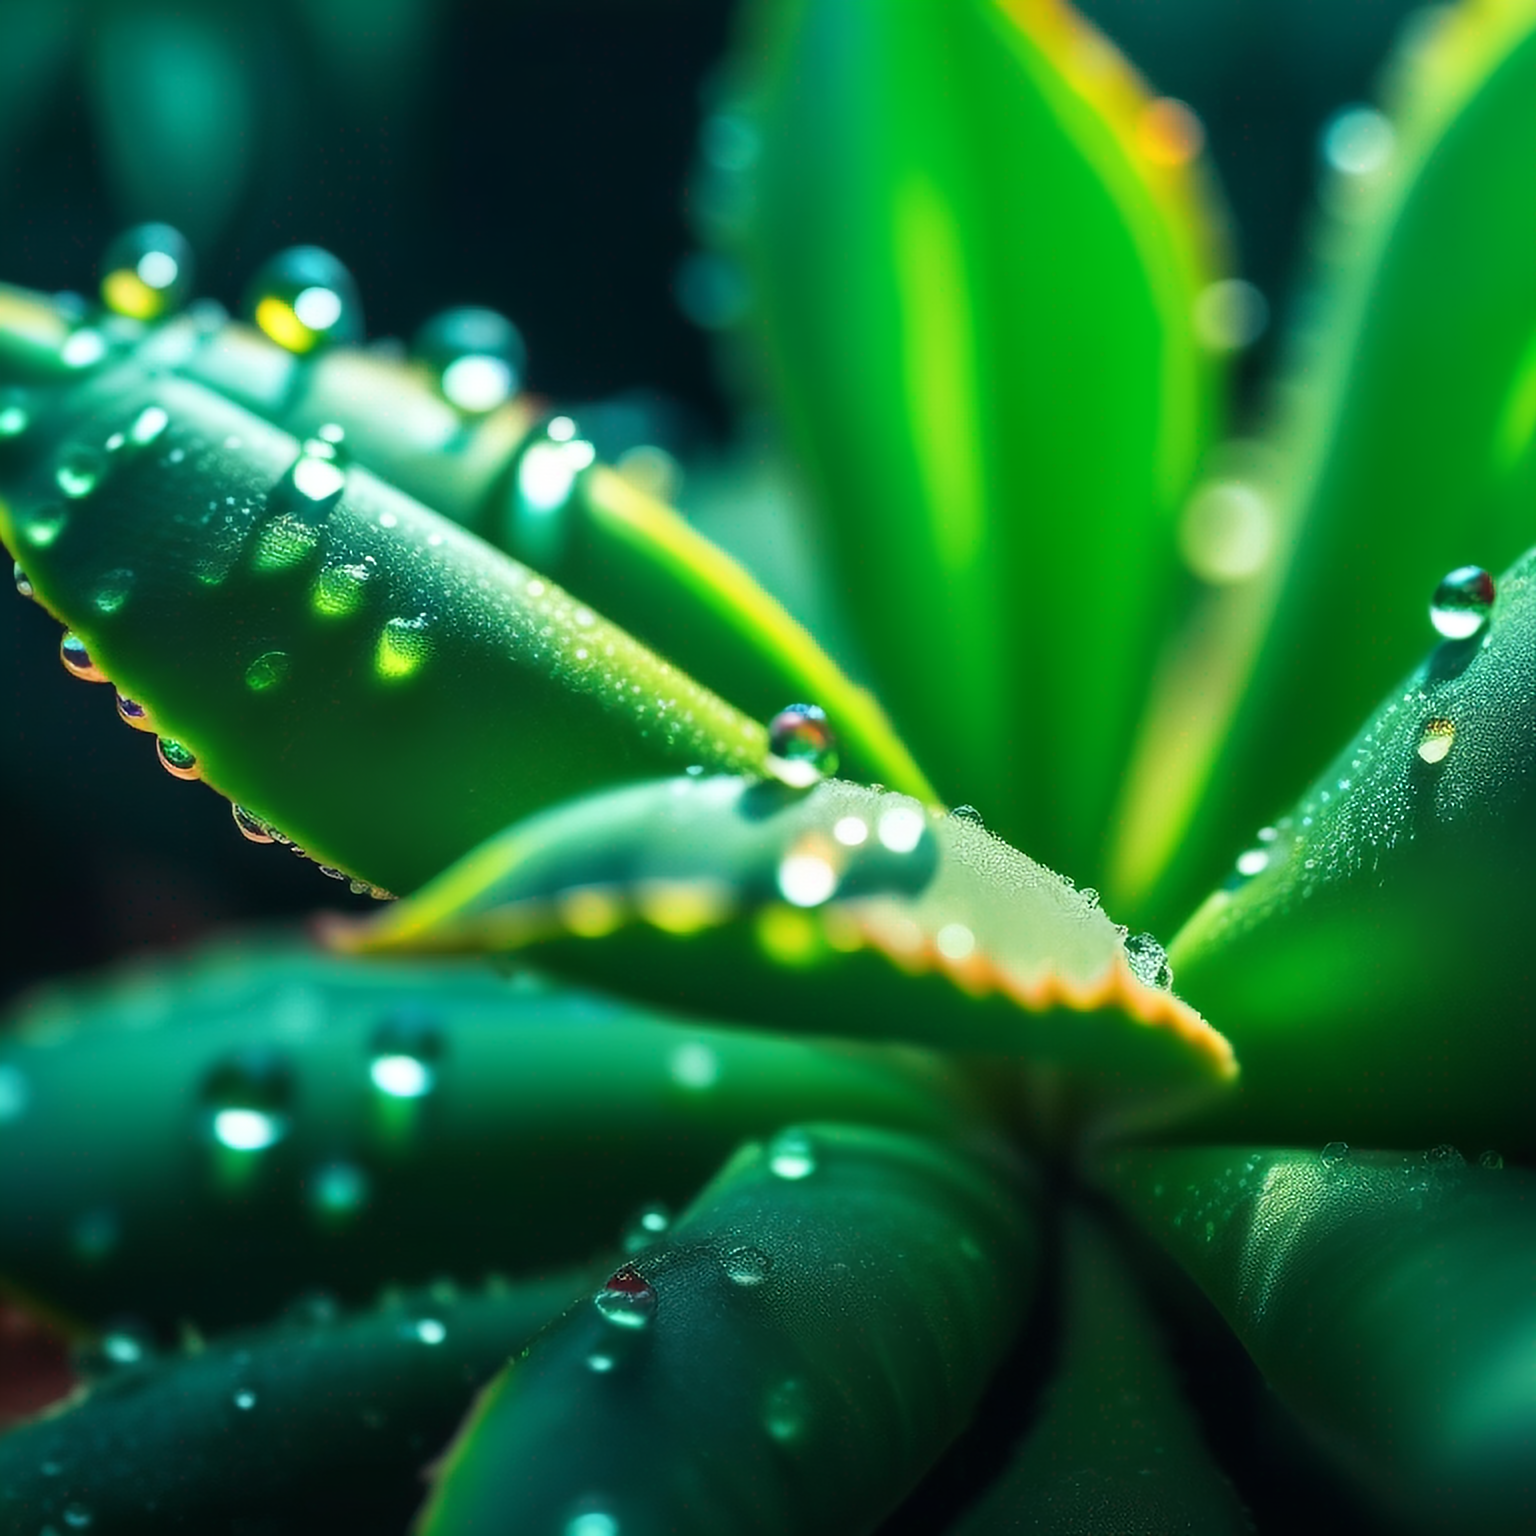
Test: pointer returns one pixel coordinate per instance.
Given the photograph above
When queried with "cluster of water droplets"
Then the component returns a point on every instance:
(1460, 612)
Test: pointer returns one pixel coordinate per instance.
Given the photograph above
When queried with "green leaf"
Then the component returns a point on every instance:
(842, 911)
(1389, 1298)
(790, 1358)
(1403, 447)
(317, 1122)
(343, 663)
(1370, 954)
(1115, 1448)
(316, 1424)
(976, 248)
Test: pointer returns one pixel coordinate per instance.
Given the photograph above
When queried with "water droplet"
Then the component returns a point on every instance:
(746, 1266)
(251, 827)
(627, 1299)
(146, 272)
(283, 542)
(338, 1191)
(549, 462)
(592, 1522)
(83, 348)
(15, 1092)
(43, 524)
(1254, 861)
(1149, 961)
(791, 1155)
(1444, 1156)
(112, 591)
(77, 1516)
(647, 1226)
(1462, 602)
(248, 1095)
(403, 1055)
(77, 660)
(1491, 1160)
(403, 649)
(23, 583)
(244, 1399)
(1335, 1152)
(1357, 140)
(801, 749)
(304, 298)
(80, 470)
(15, 418)
(130, 712)
(694, 1065)
(955, 941)
(901, 825)
(786, 1410)
(425, 1330)
(338, 590)
(177, 760)
(476, 355)
(807, 876)
(1436, 738)
(267, 671)
(968, 813)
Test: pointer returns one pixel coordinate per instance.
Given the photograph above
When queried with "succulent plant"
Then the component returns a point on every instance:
(990, 1214)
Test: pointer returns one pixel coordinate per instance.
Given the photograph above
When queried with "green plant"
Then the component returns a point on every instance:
(989, 309)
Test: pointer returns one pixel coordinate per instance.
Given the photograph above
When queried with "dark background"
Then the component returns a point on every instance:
(534, 158)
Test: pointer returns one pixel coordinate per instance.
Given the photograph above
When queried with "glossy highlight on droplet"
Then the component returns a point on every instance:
(1436, 738)
(147, 272)
(476, 356)
(248, 1096)
(404, 1052)
(304, 298)
(1462, 602)
(791, 1156)
(801, 749)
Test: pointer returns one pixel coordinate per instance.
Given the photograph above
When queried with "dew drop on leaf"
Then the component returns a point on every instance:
(248, 1095)
(77, 660)
(1462, 602)
(801, 749)
(475, 355)
(23, 584)
(791, 1155)
(1436, 738)
(627, 1299)
(304, 298)
(146, 272)
(746, 1266)
(403, 1055)
(177, 760)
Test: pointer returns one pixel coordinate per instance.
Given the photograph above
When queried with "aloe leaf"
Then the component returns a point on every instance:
(1370, 954)
(1404, 446)
(317, 1423)
(317, 1122)
(976, 248)
(1388, 1299)
(789, 1359)
(841, 911)
(1115, 1447)
(349, 667)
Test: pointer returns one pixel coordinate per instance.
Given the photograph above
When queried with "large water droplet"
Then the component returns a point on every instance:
(267, 671)
(476, 355)
(80, 470)
(77, 659)
(801, 750)
(1436, 738)
(969, 814)
(403, 649)
(23, 582)
(791, 1155)
(177, 760)
(248, 1095)
(1462, 602)
(403, 1055)
(131, 712)
(786, 1410)
(338, 590)
(627, 1299)
(304, 298)
(1149, 961)
(146, 272)
(746, 1266)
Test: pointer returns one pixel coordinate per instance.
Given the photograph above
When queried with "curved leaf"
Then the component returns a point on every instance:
(381, 686)
(839, 912)
(207, 1140)
(1370, 954)
(315, 1424)
(976, 247)
(1390, 1298)
(818, 1326)
(1405, 447)
(1115, 1448)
